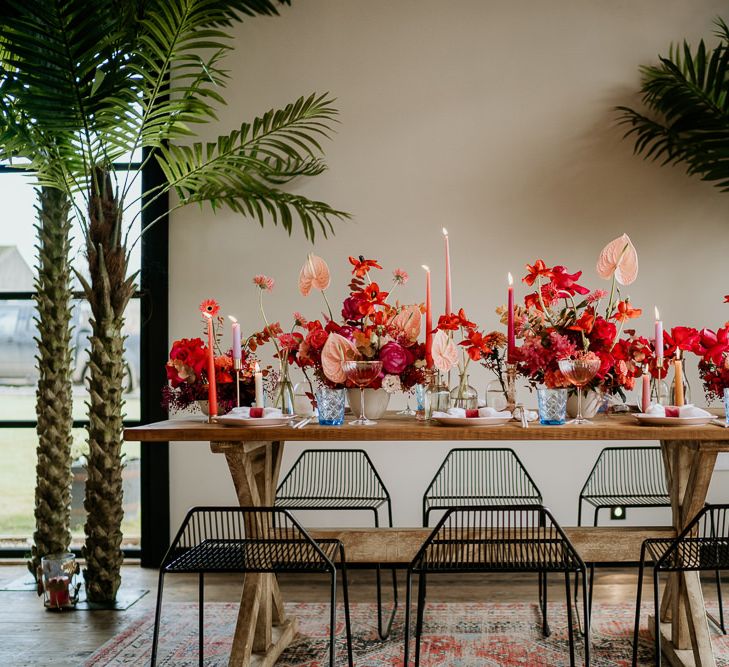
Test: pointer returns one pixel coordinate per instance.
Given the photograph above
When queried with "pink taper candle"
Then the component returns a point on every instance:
(510, 336)
(448, 304)
(646, 387)
(428, 320)
(659, 339)
(212, 389)
(236, 337)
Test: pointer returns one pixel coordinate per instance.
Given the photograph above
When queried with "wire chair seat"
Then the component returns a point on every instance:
(480, 476)
(333, 502)
(257, 556)
(691, 553)
(628, 500)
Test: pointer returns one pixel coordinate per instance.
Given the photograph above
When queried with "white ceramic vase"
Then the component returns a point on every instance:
(376, 401)
(591, 402)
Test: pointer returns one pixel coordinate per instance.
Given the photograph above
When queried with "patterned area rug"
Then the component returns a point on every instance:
(455, 635)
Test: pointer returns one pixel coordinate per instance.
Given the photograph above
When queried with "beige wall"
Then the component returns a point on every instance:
(493, 118)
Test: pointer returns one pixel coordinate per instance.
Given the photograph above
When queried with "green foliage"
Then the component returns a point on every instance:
(686, 95)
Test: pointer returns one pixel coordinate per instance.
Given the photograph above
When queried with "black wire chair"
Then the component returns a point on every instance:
(630, 477)
(702, 545)
(340, 479)
(479, 476)
(250, 540)
(495, 538)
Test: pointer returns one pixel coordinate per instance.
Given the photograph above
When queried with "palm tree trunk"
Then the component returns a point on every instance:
(54, 392)
(108, 291)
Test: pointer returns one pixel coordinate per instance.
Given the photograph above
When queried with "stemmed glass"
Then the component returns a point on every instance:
(408, 410)
(362, 373)
(579, 372)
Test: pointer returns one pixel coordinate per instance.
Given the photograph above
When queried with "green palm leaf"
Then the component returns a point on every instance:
(687, 110)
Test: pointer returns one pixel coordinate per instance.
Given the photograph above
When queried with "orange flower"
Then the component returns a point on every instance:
(210, 306)
(362, 266)
(585, 323)
(625, 312)
(538, 269)
(314, 273)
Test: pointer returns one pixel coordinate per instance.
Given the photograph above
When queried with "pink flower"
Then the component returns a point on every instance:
(263, 282)
(336, 350)
(314, 273)
(394, 357)
(400, 277)
(596, 295)
(300, 320)
(408, 322)
(444, 351)
(620, 259)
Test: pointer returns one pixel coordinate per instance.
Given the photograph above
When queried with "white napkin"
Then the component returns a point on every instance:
(692, 411)
(531, 415)
(482, 412)
(244, 412)
(656, 410)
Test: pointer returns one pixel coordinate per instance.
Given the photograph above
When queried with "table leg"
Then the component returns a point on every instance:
(262, 630)
(688, 472)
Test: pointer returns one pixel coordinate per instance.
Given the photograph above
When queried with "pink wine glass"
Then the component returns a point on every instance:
(579, 372)
(361, 373)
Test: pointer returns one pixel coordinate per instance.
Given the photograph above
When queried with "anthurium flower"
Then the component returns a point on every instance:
(625, 312)
(445, 354)
(538, 269)
(618, 258)
(336, 350)
(407, 322)
(314, 273)
(567, 282)
(362, 266)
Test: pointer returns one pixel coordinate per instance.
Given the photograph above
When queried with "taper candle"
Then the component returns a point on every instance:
(659, 338)
(510, 336)
(646, 389)
(236, 337)
(428, 320)
(448, 304)
(678, 379)
(258, 382)
(212, 388)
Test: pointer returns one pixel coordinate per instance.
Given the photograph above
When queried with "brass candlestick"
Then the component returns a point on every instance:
(237, 366)
(510, 387)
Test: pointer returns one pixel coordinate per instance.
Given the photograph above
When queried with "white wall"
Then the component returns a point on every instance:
(492, 117)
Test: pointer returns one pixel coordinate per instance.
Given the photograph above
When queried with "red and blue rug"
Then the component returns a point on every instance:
(455, 635)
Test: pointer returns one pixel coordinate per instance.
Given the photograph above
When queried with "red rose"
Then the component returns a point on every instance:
(187, 356)
(317, 338)
(394, 357)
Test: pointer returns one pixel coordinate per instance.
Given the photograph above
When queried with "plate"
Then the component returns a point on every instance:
(472, 421)
(653, 420)
(254, 422)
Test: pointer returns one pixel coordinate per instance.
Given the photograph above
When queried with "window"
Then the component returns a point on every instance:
(18, 372)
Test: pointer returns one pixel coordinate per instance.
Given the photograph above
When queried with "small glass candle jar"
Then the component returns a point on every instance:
(726, 405)
(57, 581)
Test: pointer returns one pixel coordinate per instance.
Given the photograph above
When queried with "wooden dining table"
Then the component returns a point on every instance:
(254, 454)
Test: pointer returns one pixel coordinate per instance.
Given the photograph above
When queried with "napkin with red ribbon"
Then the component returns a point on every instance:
(474, 413)
(245, 412)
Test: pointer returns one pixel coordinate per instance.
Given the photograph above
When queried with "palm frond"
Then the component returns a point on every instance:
(687, 118)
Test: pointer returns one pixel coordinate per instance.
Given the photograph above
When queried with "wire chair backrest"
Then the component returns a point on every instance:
(272, 528)
(333, 473)
(627, 471)
(495, 536)
(703, 543)
(482, 473)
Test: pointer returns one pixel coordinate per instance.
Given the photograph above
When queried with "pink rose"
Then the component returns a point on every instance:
(394, 357)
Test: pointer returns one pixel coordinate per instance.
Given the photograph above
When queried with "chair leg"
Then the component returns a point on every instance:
(546, 631)
(721, 602)
(408, 594)
(657, 612)
(419, 617)
(384, 633)
(201, 619)
(345, 595)
(157, 618)
(570, 632)
(636, 627)
(587, 610)
(592, 587)
(333, 620)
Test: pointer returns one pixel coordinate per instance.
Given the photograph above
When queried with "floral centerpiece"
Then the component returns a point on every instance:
(187, 369)
(563, 319)
(713, 348)
(371, 328)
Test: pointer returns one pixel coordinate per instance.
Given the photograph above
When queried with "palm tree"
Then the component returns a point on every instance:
(686, 95)
(126, 76)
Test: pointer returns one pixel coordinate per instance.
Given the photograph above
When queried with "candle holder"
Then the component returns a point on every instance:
(237, 367)
(57, 581)
(510, 387)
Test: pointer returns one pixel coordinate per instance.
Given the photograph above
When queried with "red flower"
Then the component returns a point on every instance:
(625, 312)
(477, 344)
(532, 301)
(363, 266)
(535, 271)
(453, 321)
(726, 299)
(210, 306)
(317, 338)
(585, 323)
(680, 338)
(602, 334)
(567, 282)
(188, 357)
(395, 358)
(712, 346)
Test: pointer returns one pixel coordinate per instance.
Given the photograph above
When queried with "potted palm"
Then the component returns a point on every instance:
(125, 77)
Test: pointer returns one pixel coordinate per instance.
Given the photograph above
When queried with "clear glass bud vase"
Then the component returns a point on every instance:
(463, 395)
(283, 393)
(437, 397)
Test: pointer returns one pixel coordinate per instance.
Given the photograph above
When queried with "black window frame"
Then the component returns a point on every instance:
(154, 307)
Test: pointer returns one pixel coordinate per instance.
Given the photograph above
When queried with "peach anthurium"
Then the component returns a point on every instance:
(336, 350)
(444, 351)
(408, 321)
(314, 273)
(619, 258)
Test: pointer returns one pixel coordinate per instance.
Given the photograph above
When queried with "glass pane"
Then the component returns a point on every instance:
(17, 480)
(18, 373)
(18, 240)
